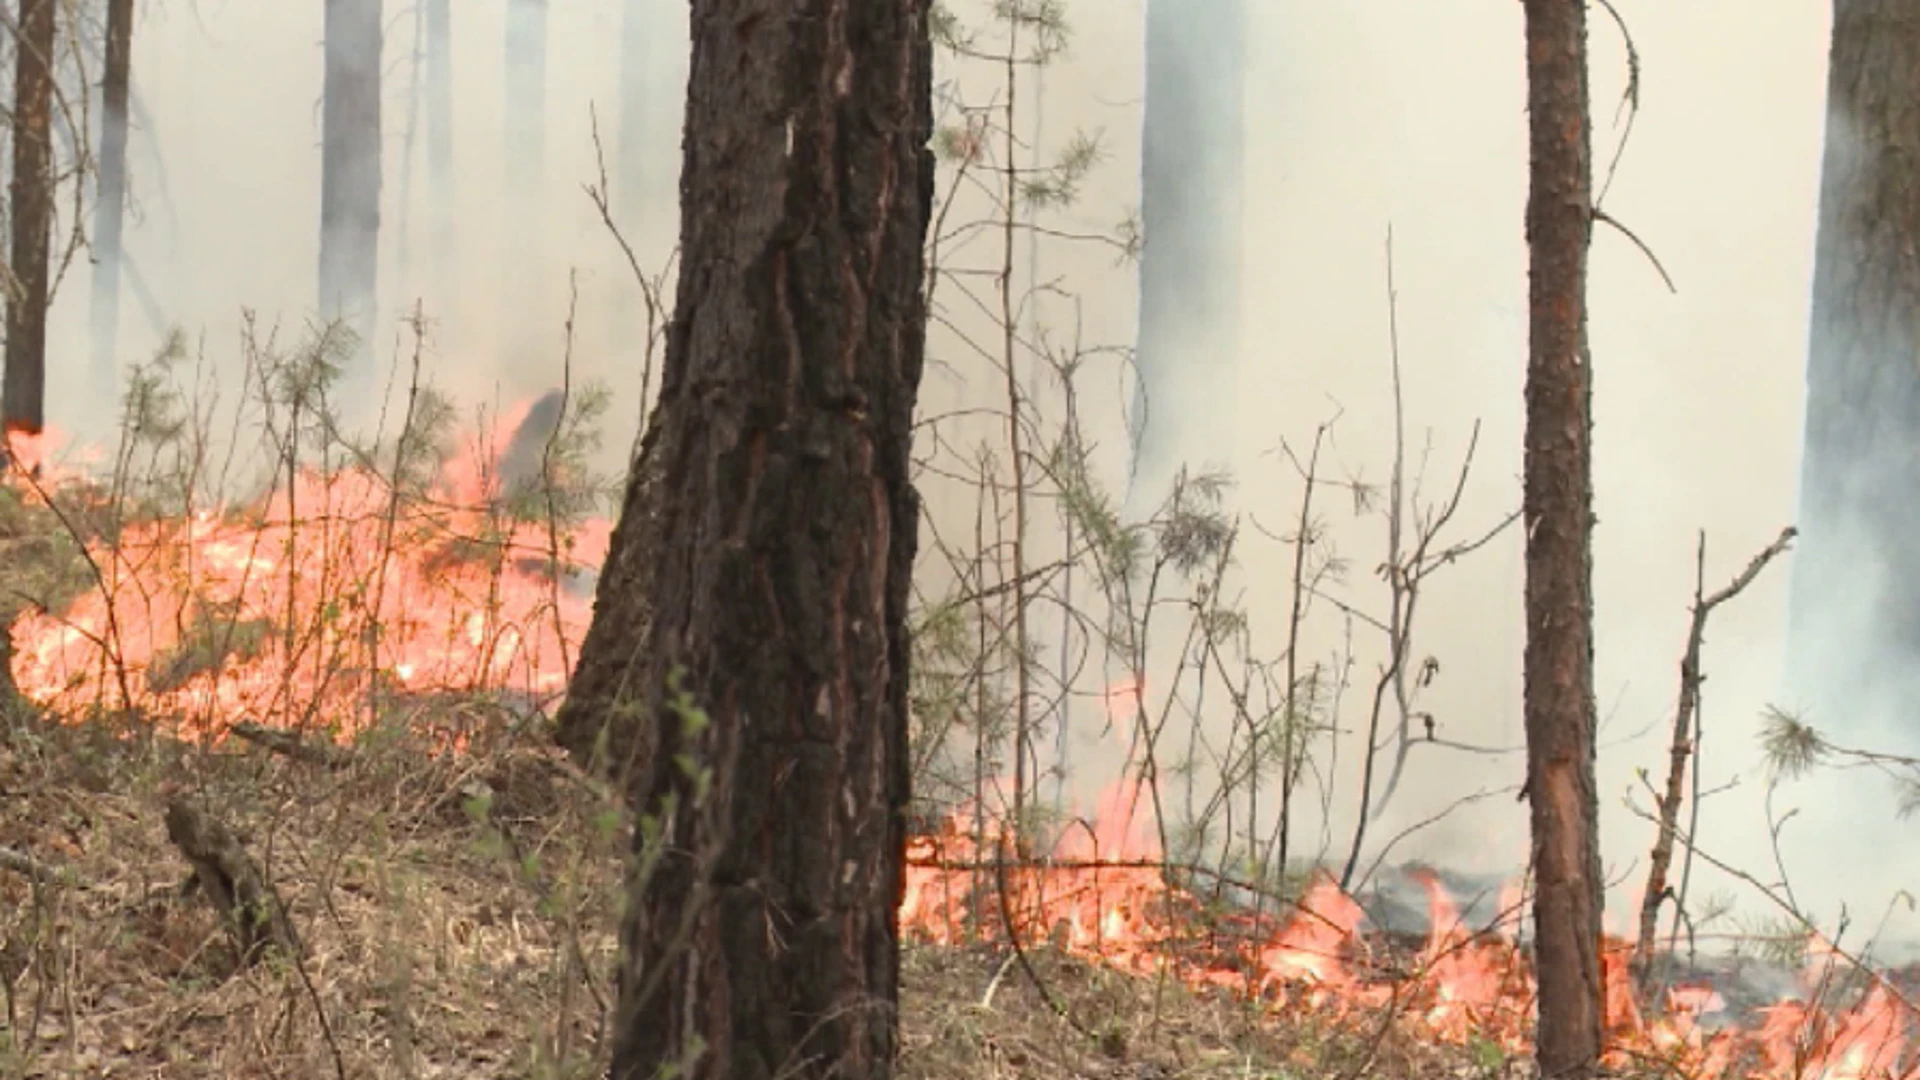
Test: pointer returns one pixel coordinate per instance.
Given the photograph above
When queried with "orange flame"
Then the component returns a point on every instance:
(293, 609)
(1100, 897)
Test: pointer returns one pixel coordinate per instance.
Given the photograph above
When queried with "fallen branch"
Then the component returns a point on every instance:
(27, 866)
(1685, 735)
(226, 873)
(288, 744)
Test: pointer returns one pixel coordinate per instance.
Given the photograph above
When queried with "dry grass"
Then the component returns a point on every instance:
(455, 915)
(447, 905)
(974, 1013)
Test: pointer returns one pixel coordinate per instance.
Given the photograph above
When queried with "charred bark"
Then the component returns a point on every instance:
(24, 390)
(1558, 501)
(1855, 604)
(773, 554)
(111, 205)
(350, 180)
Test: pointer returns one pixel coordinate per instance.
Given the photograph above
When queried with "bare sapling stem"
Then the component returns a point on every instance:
(1022, 705)
(1686, 738)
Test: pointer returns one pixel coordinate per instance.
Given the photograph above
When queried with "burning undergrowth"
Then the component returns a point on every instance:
(351, 667)
(353, 576)
(1374, 971)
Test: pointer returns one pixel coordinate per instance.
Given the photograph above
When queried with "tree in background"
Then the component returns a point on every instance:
(774, 498)
(440, 183)
(1558, 507)
(525, 110)
(23, 396)
(1190, 199)
(111, 205)
(350, 182)
(1855, 606)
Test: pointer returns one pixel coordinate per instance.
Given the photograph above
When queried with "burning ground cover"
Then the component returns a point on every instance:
(452, 879)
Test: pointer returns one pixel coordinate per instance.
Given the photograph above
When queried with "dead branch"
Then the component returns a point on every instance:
(1685, 735)
(27, 866)
(227, 874)
(291, 745)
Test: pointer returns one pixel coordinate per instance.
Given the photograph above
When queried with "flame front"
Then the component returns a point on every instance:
(1461, 985)
(293, 610)
(300, 608)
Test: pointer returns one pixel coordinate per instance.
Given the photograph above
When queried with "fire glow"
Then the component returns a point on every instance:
(1102, 896)
(289, 611)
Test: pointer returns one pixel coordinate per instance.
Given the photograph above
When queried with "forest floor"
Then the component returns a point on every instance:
(453, 917)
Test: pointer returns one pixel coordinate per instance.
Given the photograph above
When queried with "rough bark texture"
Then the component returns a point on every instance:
(1855, 608)
(23, 394)
(350, 180)
(111, 205)
(1190, 208)
(768, 566)
(1558, 503)
(439, 93)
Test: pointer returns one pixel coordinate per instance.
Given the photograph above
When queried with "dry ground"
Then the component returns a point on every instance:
(454, 916)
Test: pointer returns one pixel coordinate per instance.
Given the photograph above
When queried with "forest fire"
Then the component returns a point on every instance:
(1104, 895)
(292, 609)
(302, 607)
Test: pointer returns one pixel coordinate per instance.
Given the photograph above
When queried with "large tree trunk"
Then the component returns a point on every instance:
(350, 184)
(24, 391)
(440, 185)
(763, 942)
(1855, 608)
(110, 207)
(1558, 501)
(1190, 207)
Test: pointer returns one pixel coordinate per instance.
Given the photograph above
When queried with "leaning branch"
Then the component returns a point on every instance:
(1685, 737)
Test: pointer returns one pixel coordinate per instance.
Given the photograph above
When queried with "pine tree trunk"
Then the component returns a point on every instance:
(24, 390)
(350, 182)
(782, 528)
(1190, 207)
(1558, 502)
(526, 107)
(1855, 615)
(111, 205)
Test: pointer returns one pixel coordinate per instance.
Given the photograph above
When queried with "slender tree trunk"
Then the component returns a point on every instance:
(526, 103)
(1559, 513)
(440, 183)
(1855, 607)
(1190, 206)
(25, 386)
(110, 207)
(763, 941)
(350, 183)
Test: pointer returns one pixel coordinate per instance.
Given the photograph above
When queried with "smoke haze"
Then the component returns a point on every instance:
(1403, 113)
